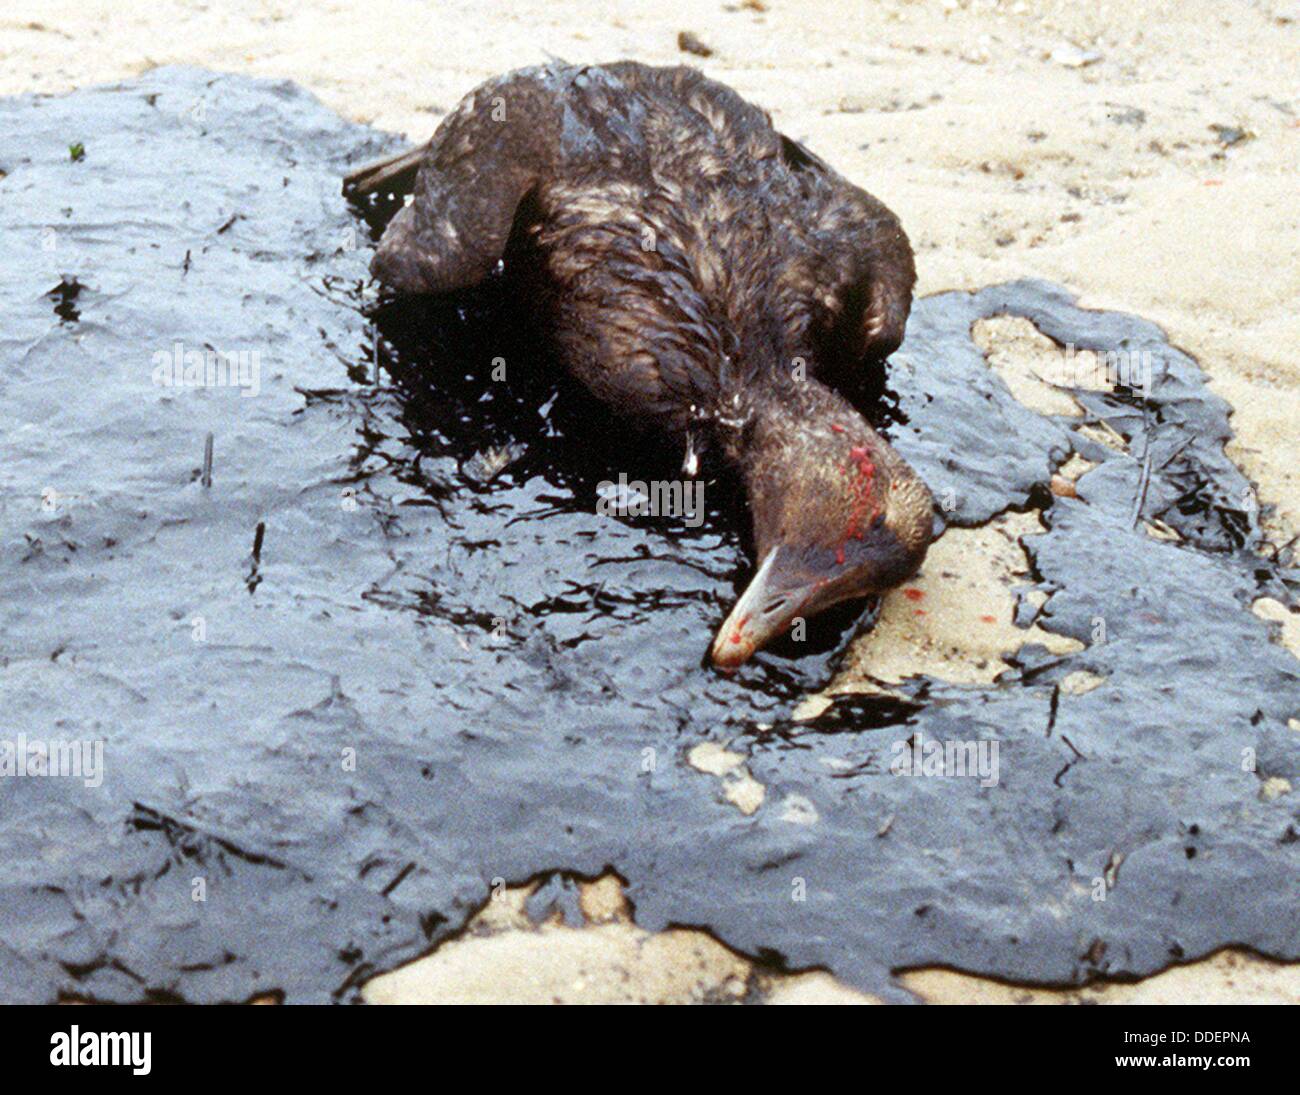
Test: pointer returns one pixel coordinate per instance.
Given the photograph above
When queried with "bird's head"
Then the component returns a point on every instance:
(837, 515)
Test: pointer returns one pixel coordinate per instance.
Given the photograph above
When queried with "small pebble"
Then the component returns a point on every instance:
(1063, 488)
(486, 465)
(1229, 135)
(689, 43)
(1072, 56)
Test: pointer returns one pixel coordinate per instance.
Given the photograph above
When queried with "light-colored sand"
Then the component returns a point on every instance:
(739, 788)
(954, 620)
(1228, 977)
(502, 957)
(1026, 360)
(1024, 138)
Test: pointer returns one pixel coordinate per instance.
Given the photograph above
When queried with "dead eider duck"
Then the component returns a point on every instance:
(701, 274)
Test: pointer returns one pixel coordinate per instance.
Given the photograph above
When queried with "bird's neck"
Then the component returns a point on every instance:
(769, 414)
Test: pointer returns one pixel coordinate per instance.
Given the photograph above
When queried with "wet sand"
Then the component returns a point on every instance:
(1013, 139)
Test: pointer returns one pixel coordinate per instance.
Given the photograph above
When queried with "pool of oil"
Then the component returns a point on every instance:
(346, 678)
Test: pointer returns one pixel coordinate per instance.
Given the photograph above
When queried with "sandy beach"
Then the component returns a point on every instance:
(1143, 155)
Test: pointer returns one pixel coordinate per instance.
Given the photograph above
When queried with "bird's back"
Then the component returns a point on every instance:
(680, 232)
(688, 249)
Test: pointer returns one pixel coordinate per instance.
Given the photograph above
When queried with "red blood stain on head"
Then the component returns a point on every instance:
(913, 594)
(989, 619)
(862, 482)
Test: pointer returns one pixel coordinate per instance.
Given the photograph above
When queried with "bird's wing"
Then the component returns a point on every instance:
(485, 157)
(861, 274)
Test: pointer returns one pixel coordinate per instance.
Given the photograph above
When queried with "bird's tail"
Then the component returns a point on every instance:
(392, 175)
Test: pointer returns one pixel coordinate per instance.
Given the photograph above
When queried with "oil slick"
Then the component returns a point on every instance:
(24, 758)
(658, 498)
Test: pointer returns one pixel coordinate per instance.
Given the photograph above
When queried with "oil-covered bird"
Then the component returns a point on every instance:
(706, 277)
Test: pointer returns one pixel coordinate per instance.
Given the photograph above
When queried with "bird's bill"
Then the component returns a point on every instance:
(773, 600)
